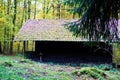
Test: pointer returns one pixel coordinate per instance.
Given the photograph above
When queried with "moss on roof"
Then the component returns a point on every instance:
(44, 29)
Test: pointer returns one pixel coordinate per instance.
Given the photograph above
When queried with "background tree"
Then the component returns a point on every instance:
(1, 23)
(44, 9)
(29, 9)
(14, 23)
(58, 9)
(99, 19)
(15, 11)
(35, 9)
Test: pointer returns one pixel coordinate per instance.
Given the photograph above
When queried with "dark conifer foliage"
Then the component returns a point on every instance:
(99, 19)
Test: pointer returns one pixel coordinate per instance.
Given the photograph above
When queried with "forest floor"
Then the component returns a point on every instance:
(18, 68)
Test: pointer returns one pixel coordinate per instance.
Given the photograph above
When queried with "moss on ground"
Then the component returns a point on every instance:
(91, 72)
(18, 68)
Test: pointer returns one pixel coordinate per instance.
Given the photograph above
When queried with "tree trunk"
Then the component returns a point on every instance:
(74, 11)
(29, 16)
(44, 9)
(8, 5)
(0, 46)
(15, 11)
(18, 49)
(24, 49)
(26, 45)
(24, 14)
(13, 30)
(35, 9)
(58, 11)
(33, 45)
(4, 48)
(25, 7)
(53, 11)
(8, 38)
(29, 9)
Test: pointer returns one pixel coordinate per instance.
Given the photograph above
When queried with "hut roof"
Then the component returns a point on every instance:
(44, 29)
(119, 27)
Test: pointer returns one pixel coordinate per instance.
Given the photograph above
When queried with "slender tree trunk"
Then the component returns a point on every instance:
(22, 19)
(4, 7)
(33, 45)
(44, 9)
(4, 48)
(29, 16)
(58, 10)
(18, 49)
(11, 46)
(47, 7)
(7, 28)
(73, 15)
(25, 7)
(8, 5)
(53, 11)
(1, 4)
(74, 12)
(29, 9)
(24, 48)
(23, 15)
(0, 47)
(35, 9)
(15, 11)
(26, 45)
(14, 21)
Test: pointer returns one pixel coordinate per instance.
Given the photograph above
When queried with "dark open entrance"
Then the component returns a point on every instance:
(76, 52)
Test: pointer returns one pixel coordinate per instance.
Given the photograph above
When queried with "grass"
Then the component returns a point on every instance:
(91, 72)
(18, 68)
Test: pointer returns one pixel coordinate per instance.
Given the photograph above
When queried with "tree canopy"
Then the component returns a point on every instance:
(99, 19)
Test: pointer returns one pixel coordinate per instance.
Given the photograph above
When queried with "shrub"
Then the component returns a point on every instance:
(8, 64)
(91, 72)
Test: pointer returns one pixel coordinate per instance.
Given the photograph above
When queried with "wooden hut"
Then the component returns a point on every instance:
(54, 42)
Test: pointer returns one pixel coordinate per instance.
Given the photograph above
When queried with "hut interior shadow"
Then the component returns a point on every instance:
(72, 52)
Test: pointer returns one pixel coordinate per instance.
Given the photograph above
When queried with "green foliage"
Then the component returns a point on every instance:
(91, 72)
(99, 19)
(51, 71)
(105, 67)
(8, 64)
(7, 74)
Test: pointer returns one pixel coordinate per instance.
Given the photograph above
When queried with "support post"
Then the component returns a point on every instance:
(24, 49)
(40, 54)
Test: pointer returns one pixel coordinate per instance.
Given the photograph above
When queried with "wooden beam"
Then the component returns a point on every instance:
(24, 49)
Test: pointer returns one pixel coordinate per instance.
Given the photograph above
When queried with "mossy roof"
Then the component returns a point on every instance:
(45, 29)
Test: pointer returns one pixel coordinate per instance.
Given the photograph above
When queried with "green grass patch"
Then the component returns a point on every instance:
(18, 68)
(91, 72)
